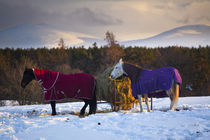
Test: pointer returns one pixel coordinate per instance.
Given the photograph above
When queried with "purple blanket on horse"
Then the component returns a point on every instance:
(151, 81)
(58, 86)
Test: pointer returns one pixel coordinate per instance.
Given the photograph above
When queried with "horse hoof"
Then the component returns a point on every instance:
(81, 116)
(53, 114)
(177, 109)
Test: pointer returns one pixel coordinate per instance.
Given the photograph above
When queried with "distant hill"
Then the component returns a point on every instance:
(43, 35)
(189, 35)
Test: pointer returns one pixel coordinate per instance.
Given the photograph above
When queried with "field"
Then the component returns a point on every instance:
(34, 122)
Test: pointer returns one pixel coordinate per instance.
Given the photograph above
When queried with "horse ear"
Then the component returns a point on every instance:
(121, 61)
(26, 68)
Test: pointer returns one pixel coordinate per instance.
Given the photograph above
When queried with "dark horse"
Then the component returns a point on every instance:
(57, 86)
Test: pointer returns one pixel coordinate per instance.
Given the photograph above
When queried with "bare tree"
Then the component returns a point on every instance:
(113, 52)
(110, 38)
(61, 44)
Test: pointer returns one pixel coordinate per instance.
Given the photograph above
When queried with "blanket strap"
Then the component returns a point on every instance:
(54, 82)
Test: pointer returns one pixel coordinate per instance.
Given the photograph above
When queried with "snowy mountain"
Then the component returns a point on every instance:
(190, 35)
(42, 35)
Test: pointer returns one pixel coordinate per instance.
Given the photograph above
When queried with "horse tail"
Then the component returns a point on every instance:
(174, 94)
(95, 99)
(178, 80)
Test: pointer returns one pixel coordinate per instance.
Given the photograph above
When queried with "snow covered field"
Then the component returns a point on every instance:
(33, 122)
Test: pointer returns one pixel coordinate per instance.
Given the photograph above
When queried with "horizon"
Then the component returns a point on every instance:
(43, 35)
(128, 20)
(89, 36)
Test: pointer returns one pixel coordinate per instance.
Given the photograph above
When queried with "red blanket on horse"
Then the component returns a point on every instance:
(58, 86)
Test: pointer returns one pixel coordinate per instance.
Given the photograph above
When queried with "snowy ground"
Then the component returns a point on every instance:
(34, 122)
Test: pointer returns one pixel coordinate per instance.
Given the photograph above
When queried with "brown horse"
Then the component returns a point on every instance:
(150, 83)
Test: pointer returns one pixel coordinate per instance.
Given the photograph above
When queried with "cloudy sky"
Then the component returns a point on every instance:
(127, 19)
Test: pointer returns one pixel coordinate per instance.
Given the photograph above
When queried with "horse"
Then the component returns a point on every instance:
(57, 86)
(150, 83)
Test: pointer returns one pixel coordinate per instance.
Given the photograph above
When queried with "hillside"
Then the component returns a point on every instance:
(43, 35)
(187, 36)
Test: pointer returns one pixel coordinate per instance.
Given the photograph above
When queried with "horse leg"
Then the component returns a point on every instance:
(146, 101)
(170, 94)
(91, 108)
(93, 104)
(53, 104)
(140, 103)
(82, 111)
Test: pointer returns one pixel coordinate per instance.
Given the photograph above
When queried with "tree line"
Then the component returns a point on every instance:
(192, 63)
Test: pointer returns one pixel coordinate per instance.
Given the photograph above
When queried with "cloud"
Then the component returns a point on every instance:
(189, 32)
(85, 16)
(14, 14)
(184, 12)
(127, 19)
(72, 13)
(181, 33)
(196, 12)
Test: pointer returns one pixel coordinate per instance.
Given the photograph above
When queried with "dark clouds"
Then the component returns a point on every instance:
(126, 18)
(28, 13)
(11, 14)
(87, 17)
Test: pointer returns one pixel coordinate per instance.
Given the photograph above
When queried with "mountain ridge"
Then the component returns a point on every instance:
(188, 35)
(43, 35)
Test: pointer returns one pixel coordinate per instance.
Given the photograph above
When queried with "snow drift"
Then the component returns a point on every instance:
(34, 122)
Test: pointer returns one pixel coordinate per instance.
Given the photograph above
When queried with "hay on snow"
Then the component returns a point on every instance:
(106, 89)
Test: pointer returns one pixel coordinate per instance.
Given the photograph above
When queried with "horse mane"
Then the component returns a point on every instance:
(137, 66)
(132, 70)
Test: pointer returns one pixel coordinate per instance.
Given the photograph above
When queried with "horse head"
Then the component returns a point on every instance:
(118, 70)
(28, 76)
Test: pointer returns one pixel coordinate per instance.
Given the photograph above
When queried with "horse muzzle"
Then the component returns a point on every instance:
(113, 77)
(23, 85)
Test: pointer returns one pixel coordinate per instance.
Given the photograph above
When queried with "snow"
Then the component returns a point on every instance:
(43, 35)
(8, 103)
(34, 122)
(186, 36)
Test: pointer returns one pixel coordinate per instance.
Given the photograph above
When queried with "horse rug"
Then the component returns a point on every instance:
(152, 81)
(58, 86)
